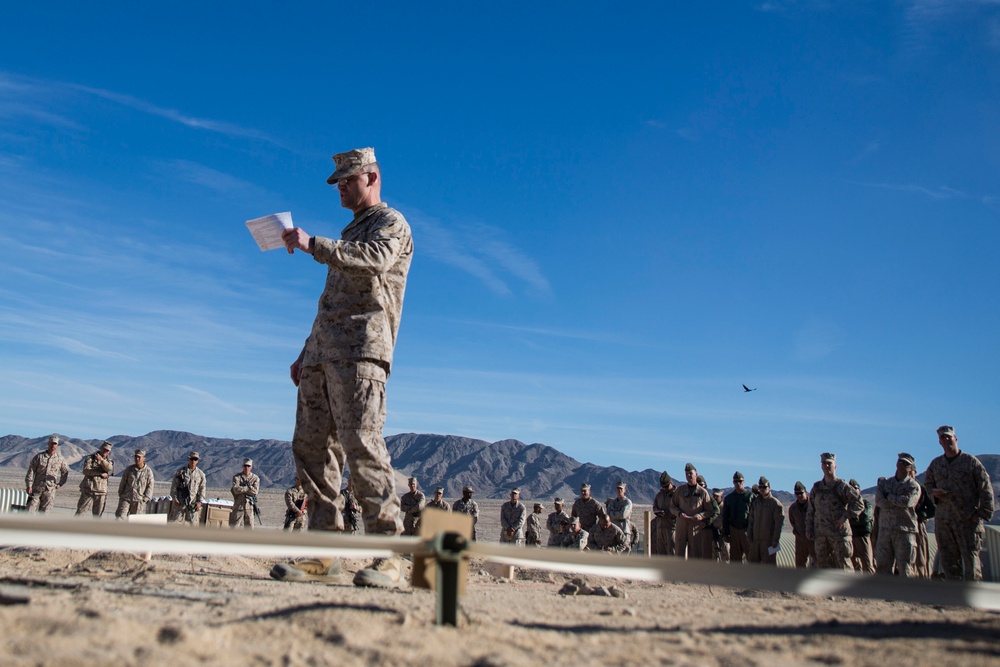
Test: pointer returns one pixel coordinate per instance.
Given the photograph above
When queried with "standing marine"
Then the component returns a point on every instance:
(832, 503)
(97, 468)
(47, 472)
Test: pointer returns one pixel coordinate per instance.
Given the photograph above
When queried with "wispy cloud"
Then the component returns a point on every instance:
(922, 19)
(816, 339)
(199, 174)
(214, 400)
(941, 192)
(481, 251)
(74, 346)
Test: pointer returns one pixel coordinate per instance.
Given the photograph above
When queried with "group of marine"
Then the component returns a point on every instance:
(833, 525)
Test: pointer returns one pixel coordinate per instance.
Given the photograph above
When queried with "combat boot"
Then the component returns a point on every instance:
(310, 569)
(382, 573)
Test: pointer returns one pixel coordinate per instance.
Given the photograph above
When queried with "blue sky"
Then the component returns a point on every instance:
(619, 218)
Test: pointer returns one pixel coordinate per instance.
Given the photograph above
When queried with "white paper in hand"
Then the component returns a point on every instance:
(266, 231)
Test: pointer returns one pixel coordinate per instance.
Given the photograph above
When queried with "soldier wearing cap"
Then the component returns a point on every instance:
(606, 536)
(804, 549)
(556, 522)
(411, 504)
(706, 538)
(662, 525)
(246, 486)
(767, 516)
(736, 519)
(187, 491)
(574, 537)
(533, 527)
(963, 499)
(47, 472)
(97, 468)
(619, 509)
(832, 502)
(861, 535)
(896, 500)
(466, 505)
(297, 506)
(346, 360)
(720, 547)
(925, 512)
(512, 518)
(586, 508)
(438, 501)
(691, 504)
(135, 488)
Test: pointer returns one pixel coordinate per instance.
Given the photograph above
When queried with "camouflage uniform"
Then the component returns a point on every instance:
(663, 522)
(767, 516)
(861, 534)
(512, 517)
(829, 504)
(94, 486)
(577, 541)
(533, 530)
(554, 524)
(439, 505)
(959, 515)
(611, 539)
(735, 521)
(896, 501)
(344, 366)
(245, 486)
(46, 473)
(353, 521)
(587, 510)
(804, 548)
(295, 500)
(411, 505)
(194, 480)
(620, 511)
(693, 501)
(925, 512)
(467, 507)
(134, 491)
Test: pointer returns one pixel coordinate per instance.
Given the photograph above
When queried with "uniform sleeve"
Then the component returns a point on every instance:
(985, 508)
(930, 480)
(63, 472)
(147, 493)
(198, 493)
(855, 505)
(123, 485)
(175, 485)
(391, 238)
(237, 488)
(29, 477)
(811, 515)
(254, 485)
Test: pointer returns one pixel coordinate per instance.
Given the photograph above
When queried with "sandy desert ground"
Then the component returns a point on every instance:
(63, 607)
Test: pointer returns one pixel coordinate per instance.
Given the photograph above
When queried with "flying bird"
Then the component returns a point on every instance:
(746, 388)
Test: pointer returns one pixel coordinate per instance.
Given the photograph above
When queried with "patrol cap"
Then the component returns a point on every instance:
(54, 439)
(800, 488)
(737, 476)
(248, 462)
(827, 456)
(906, 458)
(946, 430)
(585, 487)
(357, 161)
(538, 506)
(763, 481)
(716, 492)
(620, 485)
(106, 446)
(573, 520)
(438, 489)
(688, 467)
(411, 480)
(140, 452)
(665, 478)
(701, 480)
(558, 501)
(516, 490)
(466, 489)
(855, 484)
(194, 456)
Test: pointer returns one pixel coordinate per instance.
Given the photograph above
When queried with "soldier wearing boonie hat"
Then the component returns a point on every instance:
(963, 498)
(466, 505)
(586, 508)
(554, 522)
(97, 468)
(662, 525)
(896, 499)
(832, 502)
(349, 352)
(135, 488)
(513, 515)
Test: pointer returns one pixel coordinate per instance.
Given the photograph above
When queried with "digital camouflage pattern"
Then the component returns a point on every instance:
(896, 501)
(94, 486)
(134, 490)
(512, 518)
(469, 507)
(831, 505)
(411, 504)
(960, 514)
(587, 511)
(187, 485)
(533, 530)
(295, 500)
(46, 473)
(554, 524)
(611, 539)
(576, 541)
(244, 489)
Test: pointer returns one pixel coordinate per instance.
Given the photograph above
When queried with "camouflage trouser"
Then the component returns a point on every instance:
(516, 538)
(959, 543)
(127, 507)
(242, 512)
(922, 564)
(861, 557)
(895, 548)
(177, 513)
(833, 551)
(555, 539)
(88, 499)
(295, 521)
(532, 539)
(41, 500)
(411, 524)
(663, 536)
(688, 538)
(339, 420)
(739, 545)
(804, 550)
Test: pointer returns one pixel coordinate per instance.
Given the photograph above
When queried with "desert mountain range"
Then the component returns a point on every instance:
(450, 461)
